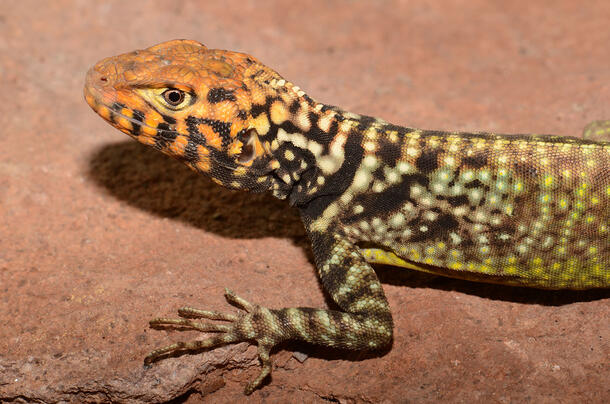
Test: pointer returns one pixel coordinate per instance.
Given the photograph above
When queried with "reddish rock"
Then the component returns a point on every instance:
(99, 234)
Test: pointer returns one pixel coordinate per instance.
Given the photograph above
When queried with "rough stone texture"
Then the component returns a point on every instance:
(99, 234)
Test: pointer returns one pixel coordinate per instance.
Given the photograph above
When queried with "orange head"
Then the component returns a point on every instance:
(195, 104)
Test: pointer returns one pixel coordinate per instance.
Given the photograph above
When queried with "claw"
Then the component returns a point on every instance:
(238, 301)
(190, 312)
(263, 354)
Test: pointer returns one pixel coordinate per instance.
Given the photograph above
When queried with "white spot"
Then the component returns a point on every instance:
(370, 162)
(314, 147)
(346, 197)
(392, 177)
(324, 122)
(370, 146)
(328, 164)
(480, 216)
(460, 210)
(397, 220)
(296, 139)
(438, 187)
(303, 120)
(405, 168)
(430, 216)
(455, 238)
(416, 191)
(378, 187)
(412, 151)
(362, 179)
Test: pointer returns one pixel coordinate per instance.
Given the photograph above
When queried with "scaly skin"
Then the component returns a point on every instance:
(520, 210)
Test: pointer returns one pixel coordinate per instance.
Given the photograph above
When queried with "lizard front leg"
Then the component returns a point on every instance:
(364, 323)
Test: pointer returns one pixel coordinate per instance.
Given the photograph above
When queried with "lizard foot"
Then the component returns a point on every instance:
(248, 325)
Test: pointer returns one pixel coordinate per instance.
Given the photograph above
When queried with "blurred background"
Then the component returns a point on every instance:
(99, 234)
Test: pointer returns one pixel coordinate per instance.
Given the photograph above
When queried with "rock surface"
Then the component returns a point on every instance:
(99, 234)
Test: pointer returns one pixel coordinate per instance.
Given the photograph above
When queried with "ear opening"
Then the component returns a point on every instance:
(249, 148)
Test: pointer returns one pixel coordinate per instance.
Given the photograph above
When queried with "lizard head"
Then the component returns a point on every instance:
(199, 105)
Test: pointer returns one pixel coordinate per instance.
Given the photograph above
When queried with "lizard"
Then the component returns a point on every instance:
(528, 210)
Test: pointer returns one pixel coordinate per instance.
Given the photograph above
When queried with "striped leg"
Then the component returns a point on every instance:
(364, 323)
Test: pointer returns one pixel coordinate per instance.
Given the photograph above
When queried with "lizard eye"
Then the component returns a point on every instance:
(173, 97)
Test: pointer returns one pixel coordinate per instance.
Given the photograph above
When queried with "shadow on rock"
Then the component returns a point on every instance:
(150, 181)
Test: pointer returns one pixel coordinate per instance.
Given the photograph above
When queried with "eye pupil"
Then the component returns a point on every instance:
(173, 97)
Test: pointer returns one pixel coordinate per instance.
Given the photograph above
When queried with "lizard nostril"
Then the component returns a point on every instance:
(103, 79)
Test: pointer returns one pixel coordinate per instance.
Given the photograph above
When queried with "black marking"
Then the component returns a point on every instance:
(318, 135)
(474, 184)
(478, 160)
(288, 126)
(170, 120)
(427, 161)
(257, 73)
(389, 152)
(390, 127)
(257, 109)
(222, 129)
(308, 99)
(458, 200)
(190, 152)
(365, 122)
(117, 106)
(390, 200)
(135, 128)
(337, 183)
(435, 230)
(138, 115)
(166, 135)
(216, 95)
(163, 126)
(243, 115)
(294, 106)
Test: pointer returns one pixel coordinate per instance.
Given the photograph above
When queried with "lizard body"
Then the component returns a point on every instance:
(526, 210)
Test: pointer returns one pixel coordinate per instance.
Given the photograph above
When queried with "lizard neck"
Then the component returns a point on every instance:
(320, 148)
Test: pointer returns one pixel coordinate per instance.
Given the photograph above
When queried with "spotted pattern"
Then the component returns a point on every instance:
(525, 210)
